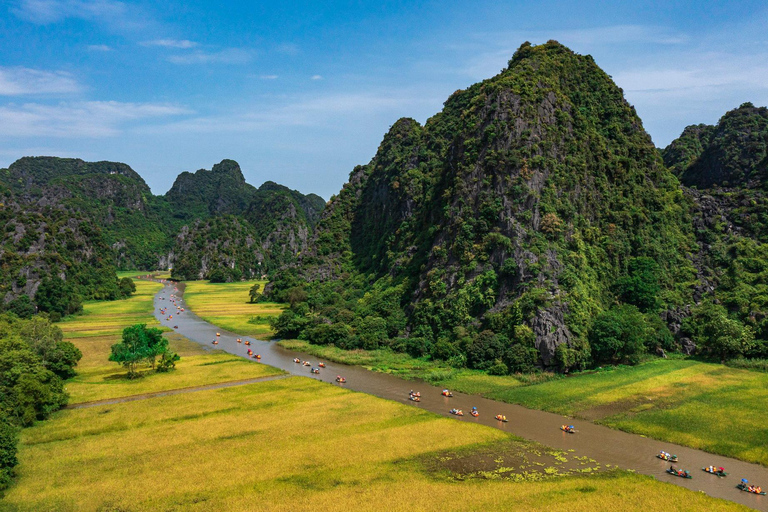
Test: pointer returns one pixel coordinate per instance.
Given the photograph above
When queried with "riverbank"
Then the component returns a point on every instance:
(706, 406)
(227, 305)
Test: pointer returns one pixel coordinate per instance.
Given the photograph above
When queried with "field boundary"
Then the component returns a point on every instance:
(177, 391)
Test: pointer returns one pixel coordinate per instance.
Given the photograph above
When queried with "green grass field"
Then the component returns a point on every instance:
(295, 444)
(226, 305)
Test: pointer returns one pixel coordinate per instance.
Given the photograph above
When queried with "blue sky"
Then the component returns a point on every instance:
(300, 92)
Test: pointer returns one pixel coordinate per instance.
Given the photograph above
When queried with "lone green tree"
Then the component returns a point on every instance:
(139, 343)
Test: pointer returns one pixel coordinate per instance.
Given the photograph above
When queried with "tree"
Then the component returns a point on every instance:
(46, 340)
(255, 293)
(218, 275)
(126, 286)
(21, 307)
(54, 295)
(719, 334)
(7, 452)
(138, 344)
(618, 335)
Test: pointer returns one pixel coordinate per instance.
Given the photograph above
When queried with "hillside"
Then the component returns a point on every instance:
(82, 220)
(499, 230)
(723, 168)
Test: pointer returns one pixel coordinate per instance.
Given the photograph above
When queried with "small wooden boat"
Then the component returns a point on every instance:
(568, 428)
(679, 472)
(754, 490)
(501, 418)
(716, 471)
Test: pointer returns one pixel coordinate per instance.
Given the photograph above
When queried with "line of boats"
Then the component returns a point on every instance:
(718, 471)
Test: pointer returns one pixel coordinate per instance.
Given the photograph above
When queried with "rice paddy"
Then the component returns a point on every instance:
(298, 444)
(100, 326)
(227, 305)
(707, 406)
(288, 444)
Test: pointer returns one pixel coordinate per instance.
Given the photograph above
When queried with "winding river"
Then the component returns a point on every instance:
(607, 446)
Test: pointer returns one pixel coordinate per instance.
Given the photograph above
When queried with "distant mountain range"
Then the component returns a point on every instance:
(72, 218)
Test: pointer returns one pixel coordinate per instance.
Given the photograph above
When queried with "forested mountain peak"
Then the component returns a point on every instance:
(732, 153)
(28, 172)
(513, 211)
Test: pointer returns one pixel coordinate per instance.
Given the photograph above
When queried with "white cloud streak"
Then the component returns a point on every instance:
(18, 81)
(99, 48)
(92, 119)
(225, 56)
(300, 111)
(109, 12)
(171, 43)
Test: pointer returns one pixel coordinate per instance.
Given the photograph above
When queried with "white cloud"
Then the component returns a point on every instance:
(112, 12)
(316, 77)
(99, 48)
(171, 43)
(226, 56)
(79, 119)
(268, 77)
(18, 81)
(302, 111)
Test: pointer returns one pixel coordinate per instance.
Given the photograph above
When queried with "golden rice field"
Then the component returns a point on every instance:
(707, 406)
(100, 326)
(226, 305)
(291, 444)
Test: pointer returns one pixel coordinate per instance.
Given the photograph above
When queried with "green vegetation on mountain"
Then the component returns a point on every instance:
(495, 234)
(68, 224)
(732, 153)
(725, 166)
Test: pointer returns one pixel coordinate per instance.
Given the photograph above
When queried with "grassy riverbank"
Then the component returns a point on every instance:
(707, 406)
(226, 305)
(297, 444)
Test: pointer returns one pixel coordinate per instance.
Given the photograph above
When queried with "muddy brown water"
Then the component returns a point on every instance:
(607, 446)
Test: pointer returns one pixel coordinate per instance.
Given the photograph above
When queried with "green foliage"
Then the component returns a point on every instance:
(254, 294)
(718, 334)
(640, 287)
(21, 307)
(619, 335)
(56, 296)
(8, 460)
(140, 344)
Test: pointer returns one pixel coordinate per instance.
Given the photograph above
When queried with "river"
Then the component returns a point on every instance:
(607, 446)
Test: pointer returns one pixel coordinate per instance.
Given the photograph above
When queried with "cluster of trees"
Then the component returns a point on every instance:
(34, 362)
(500, 342)
(60, 298)
(143, 345)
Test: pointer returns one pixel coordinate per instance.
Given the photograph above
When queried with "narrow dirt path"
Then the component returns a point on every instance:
(177, 391)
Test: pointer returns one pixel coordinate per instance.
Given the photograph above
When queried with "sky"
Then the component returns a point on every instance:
(301, 92)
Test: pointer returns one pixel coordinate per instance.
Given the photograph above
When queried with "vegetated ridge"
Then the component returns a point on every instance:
(498, 232)
(76, 222)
